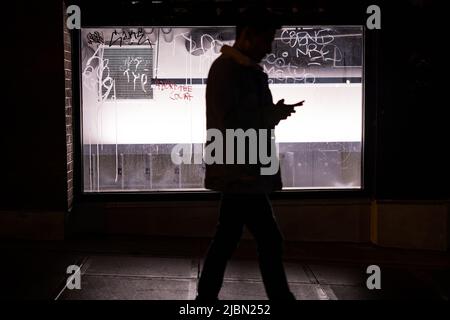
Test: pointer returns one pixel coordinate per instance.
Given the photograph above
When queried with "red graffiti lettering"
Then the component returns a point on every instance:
(181, 96)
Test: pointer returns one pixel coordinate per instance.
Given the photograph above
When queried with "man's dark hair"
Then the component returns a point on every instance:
(258, 19)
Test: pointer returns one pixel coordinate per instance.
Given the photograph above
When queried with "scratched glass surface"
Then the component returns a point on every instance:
(143, 92)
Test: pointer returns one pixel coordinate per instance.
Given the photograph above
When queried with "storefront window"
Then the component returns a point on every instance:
(143, 92)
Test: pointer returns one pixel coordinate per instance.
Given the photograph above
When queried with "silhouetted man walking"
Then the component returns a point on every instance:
(238, 97)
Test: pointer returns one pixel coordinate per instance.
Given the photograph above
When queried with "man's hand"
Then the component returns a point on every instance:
(281, 111)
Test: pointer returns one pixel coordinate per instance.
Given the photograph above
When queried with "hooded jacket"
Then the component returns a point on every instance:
(238, 97)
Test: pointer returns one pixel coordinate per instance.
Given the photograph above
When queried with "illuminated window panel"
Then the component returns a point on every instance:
(143, 91)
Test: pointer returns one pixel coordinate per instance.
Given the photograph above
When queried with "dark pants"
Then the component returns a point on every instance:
(255, 212)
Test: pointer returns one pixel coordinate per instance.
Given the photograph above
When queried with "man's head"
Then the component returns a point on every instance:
(255, 32)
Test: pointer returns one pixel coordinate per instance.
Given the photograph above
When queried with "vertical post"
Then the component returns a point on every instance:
(291, 158)
(150, 169)
(121, 171)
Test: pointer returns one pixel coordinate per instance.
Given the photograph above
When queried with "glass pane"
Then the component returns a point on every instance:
(143, 92)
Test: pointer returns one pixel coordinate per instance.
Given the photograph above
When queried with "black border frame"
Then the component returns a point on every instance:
(369, 135)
